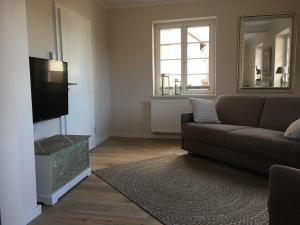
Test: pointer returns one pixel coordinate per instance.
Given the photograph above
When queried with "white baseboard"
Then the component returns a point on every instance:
(52, 199)
(146, 135)
(32, 214)
(101, 139)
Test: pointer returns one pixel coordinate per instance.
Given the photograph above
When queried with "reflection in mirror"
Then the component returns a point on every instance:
(266, 52)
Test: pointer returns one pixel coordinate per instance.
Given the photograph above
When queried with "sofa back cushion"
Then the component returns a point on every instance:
(280, 112)
(240, 110)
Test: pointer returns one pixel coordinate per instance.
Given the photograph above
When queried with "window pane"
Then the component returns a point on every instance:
(198, 66)
(200, 50)
(170, 52)
(170, 36)
(170, 66)
(198, 81)
(198, 34)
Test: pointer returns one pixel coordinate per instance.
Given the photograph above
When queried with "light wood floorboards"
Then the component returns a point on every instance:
(93, 202)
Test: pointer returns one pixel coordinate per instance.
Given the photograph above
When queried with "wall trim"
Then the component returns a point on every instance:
(102, 139)
(143, 4)
(32, 214)
(146, 135)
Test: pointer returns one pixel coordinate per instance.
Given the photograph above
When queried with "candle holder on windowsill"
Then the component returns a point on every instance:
(165, 84)
(178, 88)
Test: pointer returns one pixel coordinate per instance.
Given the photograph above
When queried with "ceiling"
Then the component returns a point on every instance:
(111, 4)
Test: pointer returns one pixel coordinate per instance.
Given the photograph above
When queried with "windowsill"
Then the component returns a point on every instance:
(185, 96)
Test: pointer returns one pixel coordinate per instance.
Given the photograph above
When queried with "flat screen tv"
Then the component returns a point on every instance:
(49, 88)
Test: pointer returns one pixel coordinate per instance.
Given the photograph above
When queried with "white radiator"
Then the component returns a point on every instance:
(166, 115)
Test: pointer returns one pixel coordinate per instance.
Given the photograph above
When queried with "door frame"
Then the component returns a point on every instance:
(57, 11)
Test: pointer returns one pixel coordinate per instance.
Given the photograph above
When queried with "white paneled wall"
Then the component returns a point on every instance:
(166, 115)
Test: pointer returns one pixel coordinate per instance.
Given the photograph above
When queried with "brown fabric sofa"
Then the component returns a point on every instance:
(284, 198)
(251, 134)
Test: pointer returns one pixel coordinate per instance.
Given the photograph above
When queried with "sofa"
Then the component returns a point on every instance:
(250, 135)
(284, 198)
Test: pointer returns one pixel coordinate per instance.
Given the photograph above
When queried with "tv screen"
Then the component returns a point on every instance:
(49, 88)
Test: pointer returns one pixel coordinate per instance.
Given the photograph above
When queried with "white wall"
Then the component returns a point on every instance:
(41, 31)
(17, 167)
(130, 32)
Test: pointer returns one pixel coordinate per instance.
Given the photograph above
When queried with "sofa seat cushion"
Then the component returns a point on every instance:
(266, 144)
(215, 134)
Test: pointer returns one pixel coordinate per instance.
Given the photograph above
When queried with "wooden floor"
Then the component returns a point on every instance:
(93, 202)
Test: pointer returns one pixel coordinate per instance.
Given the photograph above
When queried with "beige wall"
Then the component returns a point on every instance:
(130, 32)
(18, 201)
(129, 70)
(42, 40)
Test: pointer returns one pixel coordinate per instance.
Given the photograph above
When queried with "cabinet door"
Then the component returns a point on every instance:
(69, 163)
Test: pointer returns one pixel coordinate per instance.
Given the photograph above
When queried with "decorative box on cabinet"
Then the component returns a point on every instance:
(62, 161)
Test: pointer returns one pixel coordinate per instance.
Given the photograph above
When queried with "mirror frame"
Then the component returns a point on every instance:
(240, 67)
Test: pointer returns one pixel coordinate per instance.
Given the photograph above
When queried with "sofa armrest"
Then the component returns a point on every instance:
(284, 198)
(187, 118)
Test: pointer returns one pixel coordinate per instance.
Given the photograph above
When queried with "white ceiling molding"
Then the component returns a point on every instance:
(117, 4)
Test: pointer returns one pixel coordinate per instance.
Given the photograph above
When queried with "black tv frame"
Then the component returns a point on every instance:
(49, 99)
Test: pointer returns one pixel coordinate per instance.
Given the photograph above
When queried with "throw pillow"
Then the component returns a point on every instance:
(293, 131)
(204, 111)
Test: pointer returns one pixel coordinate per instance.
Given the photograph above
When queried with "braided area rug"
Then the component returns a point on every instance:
(188, 190)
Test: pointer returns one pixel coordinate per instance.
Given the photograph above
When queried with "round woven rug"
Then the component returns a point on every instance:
(186, 190)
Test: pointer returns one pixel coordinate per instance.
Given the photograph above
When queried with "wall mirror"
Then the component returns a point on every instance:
(267, 48)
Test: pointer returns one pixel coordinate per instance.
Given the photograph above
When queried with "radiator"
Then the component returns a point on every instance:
(166, 115)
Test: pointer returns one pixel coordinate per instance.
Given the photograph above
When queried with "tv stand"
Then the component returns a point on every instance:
(62, 161)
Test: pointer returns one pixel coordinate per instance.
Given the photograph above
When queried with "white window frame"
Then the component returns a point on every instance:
(184, 24)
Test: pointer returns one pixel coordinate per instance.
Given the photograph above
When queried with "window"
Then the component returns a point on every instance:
(185, 51)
